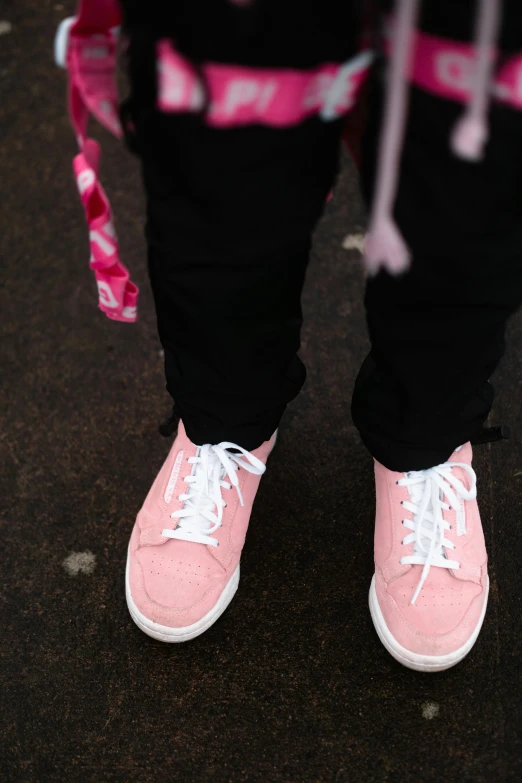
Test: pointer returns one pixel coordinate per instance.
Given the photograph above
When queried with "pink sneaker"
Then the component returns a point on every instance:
(183, 558)
(429, 593)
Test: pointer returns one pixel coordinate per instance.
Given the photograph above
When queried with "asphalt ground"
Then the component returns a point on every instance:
(291, 684)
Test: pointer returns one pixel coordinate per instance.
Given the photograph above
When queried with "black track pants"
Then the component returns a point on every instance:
(230, 218)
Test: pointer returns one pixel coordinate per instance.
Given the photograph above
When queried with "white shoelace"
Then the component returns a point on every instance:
(203, 504)
(427, 489)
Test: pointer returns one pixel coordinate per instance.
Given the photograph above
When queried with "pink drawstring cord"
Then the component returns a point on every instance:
(384, 246)
(471, 131)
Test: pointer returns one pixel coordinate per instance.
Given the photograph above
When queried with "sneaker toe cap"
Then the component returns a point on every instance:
(175, 584)
(443, 619)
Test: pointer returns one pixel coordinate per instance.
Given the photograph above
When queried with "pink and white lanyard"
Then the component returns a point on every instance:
(86, 45)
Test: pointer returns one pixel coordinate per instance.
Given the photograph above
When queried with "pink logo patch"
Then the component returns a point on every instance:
(239, 95)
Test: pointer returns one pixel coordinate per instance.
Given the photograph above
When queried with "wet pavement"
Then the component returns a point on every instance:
(291, 684)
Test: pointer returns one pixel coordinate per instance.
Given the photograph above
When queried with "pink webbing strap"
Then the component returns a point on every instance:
(91, 63)
(97, 16)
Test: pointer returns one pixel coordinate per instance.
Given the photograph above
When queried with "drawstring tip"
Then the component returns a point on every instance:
(385, 248)
(469, 138)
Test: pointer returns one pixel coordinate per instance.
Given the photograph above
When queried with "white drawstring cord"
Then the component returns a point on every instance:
(384, 246)
(471, 131)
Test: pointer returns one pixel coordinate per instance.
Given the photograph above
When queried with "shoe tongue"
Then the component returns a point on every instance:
(199, 496)
(465, 455)
(462, 454)
(416, 494)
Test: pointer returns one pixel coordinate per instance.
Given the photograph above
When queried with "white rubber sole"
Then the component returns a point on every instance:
(165, 633)
(420, 663)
